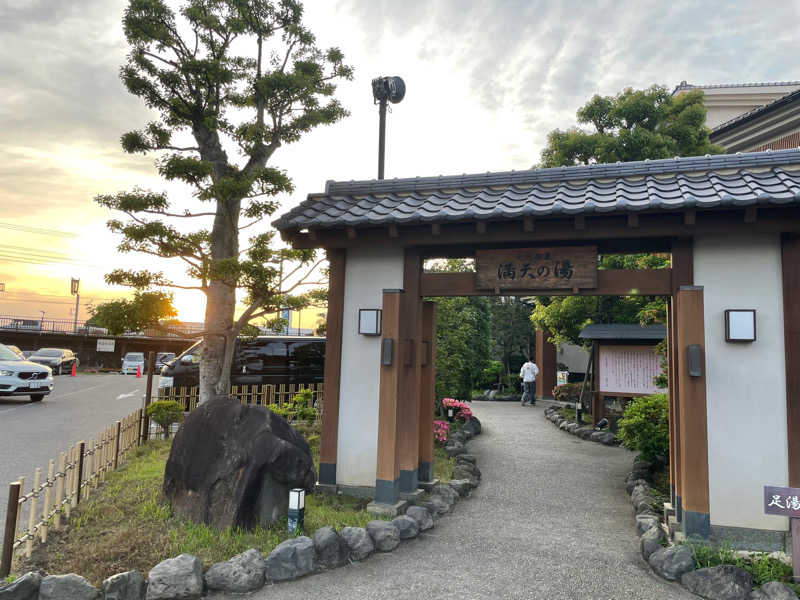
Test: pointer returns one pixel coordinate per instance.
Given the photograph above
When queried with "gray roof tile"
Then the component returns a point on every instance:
(623, 331)
(704, 182)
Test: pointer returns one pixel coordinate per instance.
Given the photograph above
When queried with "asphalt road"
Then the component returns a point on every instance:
(550, 521)
(31, 433)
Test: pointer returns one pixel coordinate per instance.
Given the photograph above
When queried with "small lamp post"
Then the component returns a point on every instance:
(297, 509)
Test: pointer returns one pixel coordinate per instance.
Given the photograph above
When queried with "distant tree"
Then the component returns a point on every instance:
(145, 310)
(633, 125)
(231, 81)
(512, 330)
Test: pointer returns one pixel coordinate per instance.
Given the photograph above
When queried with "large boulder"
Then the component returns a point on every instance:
(645, 522)
(773, 590)
(358, 541)
(67, 587)
(290, 559)
(406, 526)
(446, 493)
(671, 563)
(421, 515)
(329, 547)
(436, 506)
(129, 585)
(24, 588)
(233, 464)
(461, 486)
(651, 541)
(454, 448)
(473, 425)
(179, 578)
(724, 582)
(242, 573)
(384, 535)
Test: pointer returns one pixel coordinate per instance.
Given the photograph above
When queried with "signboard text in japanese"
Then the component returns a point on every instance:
(554, 268)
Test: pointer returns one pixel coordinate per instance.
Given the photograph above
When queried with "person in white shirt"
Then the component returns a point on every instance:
(528, 374)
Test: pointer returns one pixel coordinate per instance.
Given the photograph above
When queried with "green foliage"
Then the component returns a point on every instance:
(644, 427)
(568, 392)
(146, 309)
(513, 333)
(760, 565)
(492, 373)
(300, 408)
(633, 125)
(165, 413)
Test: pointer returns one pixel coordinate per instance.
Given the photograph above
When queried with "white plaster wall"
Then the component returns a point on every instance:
(367, 273)
(745, 382)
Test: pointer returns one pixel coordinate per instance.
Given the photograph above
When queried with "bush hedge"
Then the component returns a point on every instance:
(644, 427)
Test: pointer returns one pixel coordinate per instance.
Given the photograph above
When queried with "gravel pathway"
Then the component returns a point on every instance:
(550, 520)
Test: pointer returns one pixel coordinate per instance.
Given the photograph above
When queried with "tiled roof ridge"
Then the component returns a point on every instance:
(753, 113)
(683, 85)
(557, 174)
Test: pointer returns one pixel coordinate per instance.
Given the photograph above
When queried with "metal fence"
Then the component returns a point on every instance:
(37, 325)
(248, 394)
(70, 479)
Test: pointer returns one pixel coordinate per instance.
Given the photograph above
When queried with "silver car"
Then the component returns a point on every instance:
(20, 377)
(133, 362)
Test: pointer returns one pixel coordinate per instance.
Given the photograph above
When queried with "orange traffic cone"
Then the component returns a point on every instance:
(139, 371)
(74, 370)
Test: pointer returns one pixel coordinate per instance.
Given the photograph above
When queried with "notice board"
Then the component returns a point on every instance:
(628, 370)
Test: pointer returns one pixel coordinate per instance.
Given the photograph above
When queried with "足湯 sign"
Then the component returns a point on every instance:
(566, 267)
(784, 501)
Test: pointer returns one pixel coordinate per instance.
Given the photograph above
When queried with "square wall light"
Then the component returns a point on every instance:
(740, 325)
(369, 321)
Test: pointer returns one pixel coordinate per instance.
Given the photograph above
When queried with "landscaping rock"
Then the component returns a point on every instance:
(67, 587)
(24, 588)
(290, 559)
(384, 535)
(406, 527)
(633, 483)
(651, 540)
(242, 573)
(565, 424)
(125, 586)
(643, 508)
(595, 437)
(469, 458)
(447, 493)
(473, 425)
(455, 448)
(670, 563)
(640, 492)
(641, 469)
(461, 486)
(608, 438)
(466, 471)
(458, 436)
(330, 549)
(359, 542)
(233, 464)
(773, 590)
(176, 578)
(436, 506)
(422, 516)
(645, 522)
(572, 427)
(584, 432)
(724, 582)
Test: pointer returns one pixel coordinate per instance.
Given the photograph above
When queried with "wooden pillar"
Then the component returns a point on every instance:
(409, 384)
(546, 361)
(427, 393)
(387, 482)
(790, 249)
(598, 402)
(693, 416)
(333, 368)
(682, 263)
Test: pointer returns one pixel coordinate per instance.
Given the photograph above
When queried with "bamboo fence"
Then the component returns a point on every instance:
(70, 479)
(248, 394)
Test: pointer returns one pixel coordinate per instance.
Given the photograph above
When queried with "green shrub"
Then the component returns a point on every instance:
(165, 413)
(568, 392)
(644, 427)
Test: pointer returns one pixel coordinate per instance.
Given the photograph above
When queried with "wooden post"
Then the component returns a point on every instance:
(62, 470)
(427, 392)
(32, 512)
(69, 484)
(19, 512)
(116, 445)
(48, 499)
(546, 361)
(79, 472)
(10, 531)
(410, 372)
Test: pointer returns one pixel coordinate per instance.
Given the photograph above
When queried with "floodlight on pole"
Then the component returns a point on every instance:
(74, 288)
(385, 89)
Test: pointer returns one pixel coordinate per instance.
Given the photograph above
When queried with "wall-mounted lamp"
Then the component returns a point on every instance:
(297, 509)
(740, 325)
(369, 321)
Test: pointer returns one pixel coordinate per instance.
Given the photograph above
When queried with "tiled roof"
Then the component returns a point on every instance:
(703, 182)
(756, 112)
(620, 331)
(683, 85)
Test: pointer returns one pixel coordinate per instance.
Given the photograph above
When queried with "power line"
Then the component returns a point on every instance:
(38, 230)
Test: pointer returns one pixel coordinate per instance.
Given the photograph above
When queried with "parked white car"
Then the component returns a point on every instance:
(131, 362)
(20, 377)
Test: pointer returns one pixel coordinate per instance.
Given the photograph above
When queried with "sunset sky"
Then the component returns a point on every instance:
(486, 82)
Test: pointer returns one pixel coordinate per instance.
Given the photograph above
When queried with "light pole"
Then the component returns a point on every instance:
(75, 285)
(385, 89)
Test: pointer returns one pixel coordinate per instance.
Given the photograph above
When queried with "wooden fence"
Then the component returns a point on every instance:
(69, 480)
(248, 394)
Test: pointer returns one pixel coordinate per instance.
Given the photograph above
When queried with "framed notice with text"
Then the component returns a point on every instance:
(559, 267)
(628, 370)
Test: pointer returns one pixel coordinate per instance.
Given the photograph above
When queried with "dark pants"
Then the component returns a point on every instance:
(528, 392)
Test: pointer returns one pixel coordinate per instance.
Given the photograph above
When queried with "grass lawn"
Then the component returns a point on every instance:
(127, 524)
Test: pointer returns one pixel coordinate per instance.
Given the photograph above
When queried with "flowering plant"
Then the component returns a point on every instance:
(461, 410)
(440, 430)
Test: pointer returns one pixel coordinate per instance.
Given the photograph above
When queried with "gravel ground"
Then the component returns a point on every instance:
(550, 520)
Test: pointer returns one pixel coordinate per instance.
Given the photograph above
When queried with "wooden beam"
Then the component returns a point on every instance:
(547, 363)
(613, 228)
(393, 231)
(750, 214)
(580, 222)
(333, 367)
(613, 282)
(682, 263)
(351, 233)
(409, 371)
(427, 391)
(312, 234)
(633, 220)
(615, 246)
(436, 229)
(790, 251)
(690, 216)
(480, 227)
(528, 224)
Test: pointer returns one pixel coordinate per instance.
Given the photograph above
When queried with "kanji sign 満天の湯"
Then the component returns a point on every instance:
(566, 267)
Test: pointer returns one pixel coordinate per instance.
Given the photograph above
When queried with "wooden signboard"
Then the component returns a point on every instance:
(785, 501)
(566, 267)
(628, 370)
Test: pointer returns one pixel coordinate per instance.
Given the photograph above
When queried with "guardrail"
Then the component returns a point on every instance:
(69, 326)
(70, 479)
(248, 394)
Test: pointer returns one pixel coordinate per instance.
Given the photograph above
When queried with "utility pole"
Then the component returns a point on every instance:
(385, 89)
(75, 285)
